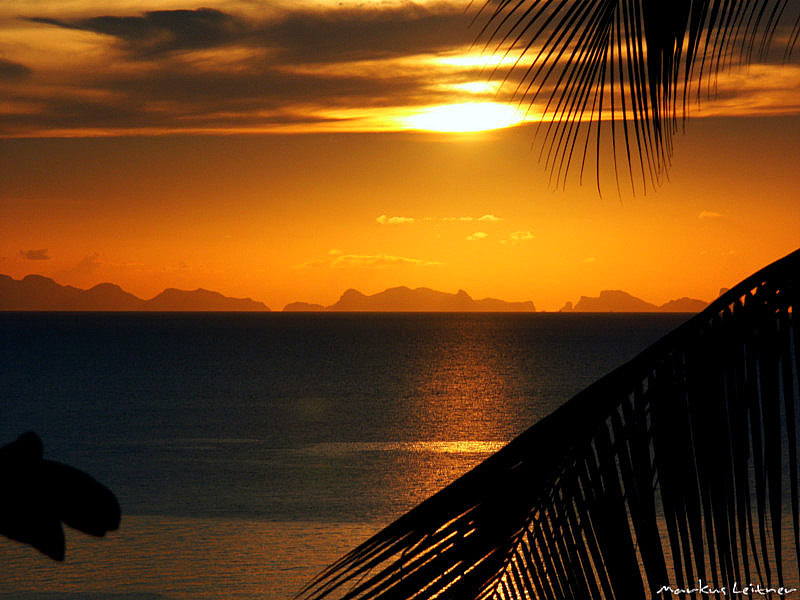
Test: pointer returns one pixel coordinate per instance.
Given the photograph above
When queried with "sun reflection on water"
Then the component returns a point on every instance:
(161, 558)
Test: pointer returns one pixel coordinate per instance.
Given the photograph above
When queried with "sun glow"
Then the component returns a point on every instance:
(475, 87)
(482, 61)
(466, 117)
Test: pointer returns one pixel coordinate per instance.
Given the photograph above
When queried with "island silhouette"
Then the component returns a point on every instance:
(39, 293)
(619, 301)
(35, 292)
(404, 299)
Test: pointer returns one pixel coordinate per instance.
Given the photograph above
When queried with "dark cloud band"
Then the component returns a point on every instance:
(40, 254)
(297, 36)
(12, 71)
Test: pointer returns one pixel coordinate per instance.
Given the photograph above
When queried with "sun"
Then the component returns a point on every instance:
(465, 117)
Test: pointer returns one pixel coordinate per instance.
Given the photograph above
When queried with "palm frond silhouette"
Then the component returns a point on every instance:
(625, 69)
(679, 466)
(38, 495)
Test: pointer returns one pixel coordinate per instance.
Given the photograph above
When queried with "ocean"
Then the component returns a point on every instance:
(249, 450)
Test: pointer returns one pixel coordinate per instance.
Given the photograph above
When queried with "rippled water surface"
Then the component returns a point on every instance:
(250, 450)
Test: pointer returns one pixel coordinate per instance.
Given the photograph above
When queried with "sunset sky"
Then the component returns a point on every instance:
(291, 150)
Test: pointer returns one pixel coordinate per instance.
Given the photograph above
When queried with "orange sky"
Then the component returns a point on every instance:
(271, 150)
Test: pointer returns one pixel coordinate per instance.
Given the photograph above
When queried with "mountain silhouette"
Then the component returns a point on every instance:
(108, 296)
(620, 301)
(35, 292)
(404, 299)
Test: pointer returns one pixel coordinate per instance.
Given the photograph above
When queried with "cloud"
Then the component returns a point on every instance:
(362, 67)
(370, 32)
(354, 261)
(379, 260)
(708, 214)
(34, 254)
(489, 219)
(286, 69)
(478, 235)
(384, 220)
(467, 219)
(759, 89)
(163, 31)
(13, 71)
(520, 236)
(87, 265)
(300, 35)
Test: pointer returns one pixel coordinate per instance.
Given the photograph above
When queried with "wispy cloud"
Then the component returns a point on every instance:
(40, 254)
(760, 89)
(86, 266)
(356, 261)
(385, 220)
(520, 236)
(478, 235)
(709, 214)
(461, 219)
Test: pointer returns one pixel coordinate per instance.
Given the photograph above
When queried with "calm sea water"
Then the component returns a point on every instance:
(250, 450)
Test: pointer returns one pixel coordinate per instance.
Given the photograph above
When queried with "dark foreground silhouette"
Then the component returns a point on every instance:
(38, 495)
(679, 466)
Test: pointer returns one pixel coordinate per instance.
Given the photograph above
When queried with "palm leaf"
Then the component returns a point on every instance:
(644, 479)
(623, 69)
(38, 495)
